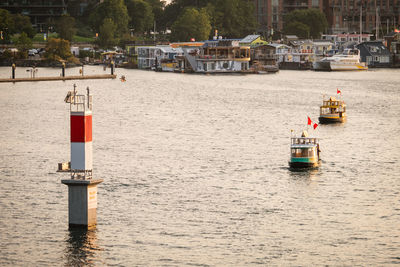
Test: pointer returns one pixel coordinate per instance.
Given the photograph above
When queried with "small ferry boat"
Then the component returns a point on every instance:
(332, 110)
(348, 60)
(304, 152)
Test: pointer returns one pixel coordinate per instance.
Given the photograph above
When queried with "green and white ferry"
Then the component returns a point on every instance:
(304, 152)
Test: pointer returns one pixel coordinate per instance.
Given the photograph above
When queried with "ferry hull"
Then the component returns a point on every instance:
(303, 165)
(326, 120)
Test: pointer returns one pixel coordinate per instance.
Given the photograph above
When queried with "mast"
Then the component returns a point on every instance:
(376, 23)
(360, 21)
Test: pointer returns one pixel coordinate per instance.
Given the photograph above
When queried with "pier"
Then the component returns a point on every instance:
(76, 77)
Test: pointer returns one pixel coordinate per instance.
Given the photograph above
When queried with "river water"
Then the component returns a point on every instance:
(195, 171)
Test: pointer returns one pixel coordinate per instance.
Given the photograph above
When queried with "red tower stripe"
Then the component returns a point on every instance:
(81, 128)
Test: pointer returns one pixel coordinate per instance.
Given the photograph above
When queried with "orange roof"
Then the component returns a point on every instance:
(195, 44)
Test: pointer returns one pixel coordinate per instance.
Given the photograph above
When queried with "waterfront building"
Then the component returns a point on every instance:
(215, 56)
(392, 42)
(39, 11)
(264, 58)
(341, 39)
(344, 16)
(322, 47)
(166, 57)
(252, 40)
(281, 51)
(146, 57)
(375, 54)
(150, 57)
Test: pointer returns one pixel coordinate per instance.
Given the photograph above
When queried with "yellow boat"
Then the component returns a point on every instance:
(304, 152)
(332, 111)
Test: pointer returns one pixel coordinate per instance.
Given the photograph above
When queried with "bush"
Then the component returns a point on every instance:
(7, 54)
(57, 49)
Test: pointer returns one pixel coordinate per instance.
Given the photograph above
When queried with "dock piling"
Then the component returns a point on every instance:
(63, 70)
(112, 67)
(13, 71)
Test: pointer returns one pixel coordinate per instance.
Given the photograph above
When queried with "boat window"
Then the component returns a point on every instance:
(304, 153)
(297, 152)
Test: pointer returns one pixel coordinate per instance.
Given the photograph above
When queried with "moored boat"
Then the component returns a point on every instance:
(332, 111)
(348, 60)
(304, 152)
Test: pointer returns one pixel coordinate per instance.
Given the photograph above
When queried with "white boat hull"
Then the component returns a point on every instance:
(348, 60)
(347, 66)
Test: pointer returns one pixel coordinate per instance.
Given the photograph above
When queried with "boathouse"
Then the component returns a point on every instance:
(375, 54)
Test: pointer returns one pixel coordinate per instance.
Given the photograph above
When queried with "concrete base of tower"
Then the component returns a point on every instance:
(82, 202)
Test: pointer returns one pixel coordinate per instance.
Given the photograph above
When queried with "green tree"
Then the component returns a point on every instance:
(175, 9)
(23, 24)
(191, 24)
(23, 43)
(141, 14)
(65, 26)
(158, 7)
(106, 36)
(233, 18)
(111, 9)
(58, 49)
(313, 18)
(297, 28)
(6, 25)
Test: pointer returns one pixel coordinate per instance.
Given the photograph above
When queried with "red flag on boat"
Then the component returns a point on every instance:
(309, 121)
(315, 126)
(338, 91)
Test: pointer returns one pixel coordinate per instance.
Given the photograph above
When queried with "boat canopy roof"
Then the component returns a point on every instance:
(303, 146)
(332, 102)
(304, 141)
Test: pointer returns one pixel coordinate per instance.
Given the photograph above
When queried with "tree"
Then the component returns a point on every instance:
(6, 25)
(58, 49)
(106, 36)
(175, 9)
(111, 9)
(191, 24)
(314, 19)
(23, 24)
(297, 28)
(65, 26)
(233, 18)
(158, 7)
(141, 14)
(23, 43)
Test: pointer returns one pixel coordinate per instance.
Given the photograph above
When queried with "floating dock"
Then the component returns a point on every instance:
(60, 78)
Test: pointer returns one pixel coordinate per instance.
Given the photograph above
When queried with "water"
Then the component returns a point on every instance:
(195, 171)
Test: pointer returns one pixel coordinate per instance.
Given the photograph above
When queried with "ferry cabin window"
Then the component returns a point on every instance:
(302, 153)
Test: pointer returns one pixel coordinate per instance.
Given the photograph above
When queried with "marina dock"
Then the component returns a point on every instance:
(60, 78)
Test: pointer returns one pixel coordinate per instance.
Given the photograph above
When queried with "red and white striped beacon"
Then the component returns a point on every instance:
(82, 189)
(81, 135)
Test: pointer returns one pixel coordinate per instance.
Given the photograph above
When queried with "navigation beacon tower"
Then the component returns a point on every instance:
(82, 188)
